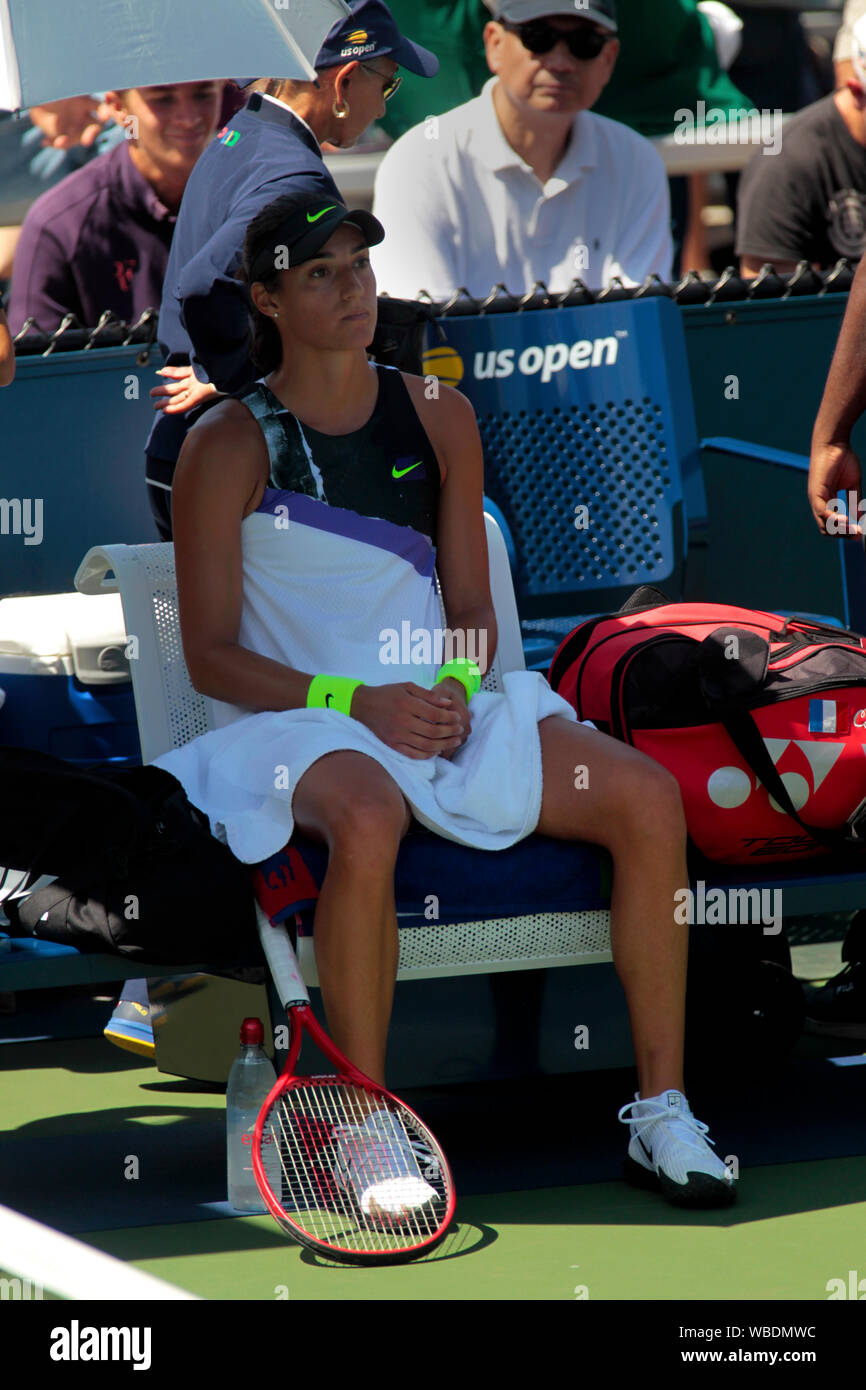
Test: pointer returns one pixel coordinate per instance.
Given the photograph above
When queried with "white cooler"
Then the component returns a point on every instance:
(64, 678)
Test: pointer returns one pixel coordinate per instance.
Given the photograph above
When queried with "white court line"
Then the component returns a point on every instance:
(75, 1270)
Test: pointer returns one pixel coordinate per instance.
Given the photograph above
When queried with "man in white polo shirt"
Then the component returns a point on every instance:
(525, 183)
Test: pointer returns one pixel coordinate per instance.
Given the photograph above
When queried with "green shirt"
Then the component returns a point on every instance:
(667, 61)
(452, 29)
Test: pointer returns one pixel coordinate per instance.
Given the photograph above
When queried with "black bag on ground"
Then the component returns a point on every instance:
(137, 870)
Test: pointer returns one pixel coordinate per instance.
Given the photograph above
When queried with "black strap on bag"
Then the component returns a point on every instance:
(726, 687)
(746, 736)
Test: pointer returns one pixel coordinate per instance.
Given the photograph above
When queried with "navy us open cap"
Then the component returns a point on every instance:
(370, 32)
(310, 220)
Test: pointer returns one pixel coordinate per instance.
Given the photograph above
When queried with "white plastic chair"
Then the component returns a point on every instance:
(170, 712)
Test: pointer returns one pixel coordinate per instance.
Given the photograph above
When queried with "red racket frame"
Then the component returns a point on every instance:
(287, 978)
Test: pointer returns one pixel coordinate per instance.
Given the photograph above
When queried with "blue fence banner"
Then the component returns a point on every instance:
(587, 424)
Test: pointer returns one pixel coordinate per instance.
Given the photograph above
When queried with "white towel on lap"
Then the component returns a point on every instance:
(488, 795)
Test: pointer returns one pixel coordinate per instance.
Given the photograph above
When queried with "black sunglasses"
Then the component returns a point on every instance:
(540, 37)
(391, 80)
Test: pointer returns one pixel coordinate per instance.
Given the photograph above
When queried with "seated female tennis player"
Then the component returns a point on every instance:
(307, 517)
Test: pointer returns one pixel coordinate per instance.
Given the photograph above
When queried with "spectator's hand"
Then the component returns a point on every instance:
(835, 468)
(74, 121)
(417, 722)
(182, 392)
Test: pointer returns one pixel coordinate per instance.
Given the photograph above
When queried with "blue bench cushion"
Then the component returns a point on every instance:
(536, 875)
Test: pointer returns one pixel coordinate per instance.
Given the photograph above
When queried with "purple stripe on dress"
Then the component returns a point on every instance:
(404, 541)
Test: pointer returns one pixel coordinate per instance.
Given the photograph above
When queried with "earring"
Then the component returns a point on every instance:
(276, 313)
(341, 111)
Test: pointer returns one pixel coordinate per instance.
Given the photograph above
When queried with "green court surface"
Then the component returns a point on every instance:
(600, 1241)
(74, 1111)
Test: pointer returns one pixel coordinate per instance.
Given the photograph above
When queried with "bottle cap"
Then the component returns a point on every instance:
(252, 1031)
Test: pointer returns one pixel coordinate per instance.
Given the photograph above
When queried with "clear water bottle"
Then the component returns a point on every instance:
(250, 1079)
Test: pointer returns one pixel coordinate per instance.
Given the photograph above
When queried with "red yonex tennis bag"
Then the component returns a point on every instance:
(761, 719)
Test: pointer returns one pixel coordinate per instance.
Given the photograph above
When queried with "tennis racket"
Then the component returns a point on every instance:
(342, 1165)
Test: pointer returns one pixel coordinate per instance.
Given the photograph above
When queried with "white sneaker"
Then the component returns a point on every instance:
(669, 1152)
(376, 1162)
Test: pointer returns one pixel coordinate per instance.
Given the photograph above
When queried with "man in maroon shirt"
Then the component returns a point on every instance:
(100, 239)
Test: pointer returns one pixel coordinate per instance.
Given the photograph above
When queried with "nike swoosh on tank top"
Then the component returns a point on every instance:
(387, 468)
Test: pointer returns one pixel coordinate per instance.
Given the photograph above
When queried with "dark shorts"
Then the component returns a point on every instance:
(158, 475)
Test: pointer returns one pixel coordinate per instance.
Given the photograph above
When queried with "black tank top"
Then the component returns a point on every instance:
(386, 469)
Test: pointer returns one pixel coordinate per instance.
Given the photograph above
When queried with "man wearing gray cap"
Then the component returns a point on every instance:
(525, 183)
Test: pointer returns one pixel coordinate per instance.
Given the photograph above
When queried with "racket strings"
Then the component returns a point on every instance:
(304, 1130)
(339, 1147)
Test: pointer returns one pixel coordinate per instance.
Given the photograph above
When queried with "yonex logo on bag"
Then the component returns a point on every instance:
(731, 787)
(228, 137)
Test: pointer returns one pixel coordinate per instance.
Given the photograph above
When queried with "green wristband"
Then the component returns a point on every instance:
(467, 672)
(332, 692)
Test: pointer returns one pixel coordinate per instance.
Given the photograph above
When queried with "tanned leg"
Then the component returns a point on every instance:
(632, 807)
(350, 802)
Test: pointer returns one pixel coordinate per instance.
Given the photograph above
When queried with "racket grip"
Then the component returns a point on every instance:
(282, 961)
